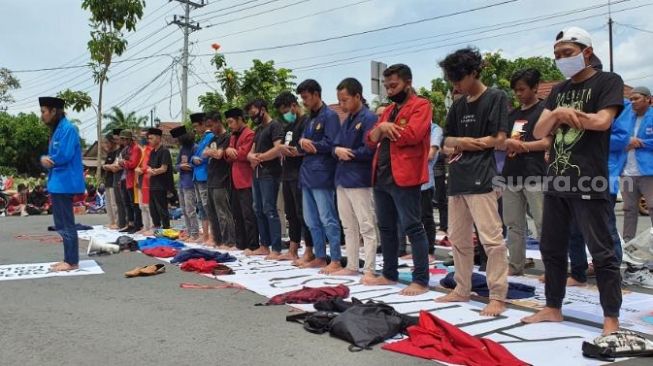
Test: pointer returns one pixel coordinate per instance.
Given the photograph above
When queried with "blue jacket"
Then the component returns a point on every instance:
(200, 171)
(622, 129)
(185, 176)
(318, 170)
(65, 150)
(355, 173)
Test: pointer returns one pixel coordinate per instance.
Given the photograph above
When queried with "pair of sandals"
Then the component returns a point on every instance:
(146, 271)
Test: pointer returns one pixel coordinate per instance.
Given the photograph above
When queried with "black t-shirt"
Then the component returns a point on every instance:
(471, 172)
(384, 162)
(264, 139)
(219, 169)
(108, 175)
(531, 164)
(583, 153)
(291, 165)
(161, 182)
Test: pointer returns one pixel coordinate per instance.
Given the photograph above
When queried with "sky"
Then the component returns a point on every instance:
(38, 34)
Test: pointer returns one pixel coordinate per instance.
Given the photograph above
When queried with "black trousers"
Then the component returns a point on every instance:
(292, 204)
(120, 206)
(245, 219)
(159, 209)
(592, 218)
(441, 201)
(132, 209)
(427, 218)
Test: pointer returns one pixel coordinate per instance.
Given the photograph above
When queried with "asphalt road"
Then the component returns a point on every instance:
(109, 320)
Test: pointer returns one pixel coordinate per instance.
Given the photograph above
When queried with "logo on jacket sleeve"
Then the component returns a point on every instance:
(403, 122)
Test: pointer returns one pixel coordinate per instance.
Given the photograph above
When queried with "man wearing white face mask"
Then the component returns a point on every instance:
(578, 114)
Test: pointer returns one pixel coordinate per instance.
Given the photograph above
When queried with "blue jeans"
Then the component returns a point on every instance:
(266, 190)
(64, 222)
(401, 205)
(320, 215)
(577, 253)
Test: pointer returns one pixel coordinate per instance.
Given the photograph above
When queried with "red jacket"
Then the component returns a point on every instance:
(241, 171)
(131, 162)
(409, 154)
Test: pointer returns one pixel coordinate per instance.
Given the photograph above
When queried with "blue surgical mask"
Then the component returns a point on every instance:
(289, 117)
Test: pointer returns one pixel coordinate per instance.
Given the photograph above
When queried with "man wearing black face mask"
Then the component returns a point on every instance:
(399, 168)
(265, 160)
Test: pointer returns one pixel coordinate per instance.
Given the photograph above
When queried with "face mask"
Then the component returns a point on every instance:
(290, 117)
(571, 66)
(258, 119)
(399, 97)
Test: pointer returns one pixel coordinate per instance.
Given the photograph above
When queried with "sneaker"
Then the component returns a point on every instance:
(638, 277)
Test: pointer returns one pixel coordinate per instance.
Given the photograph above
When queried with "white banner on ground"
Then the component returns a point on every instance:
(42, 270)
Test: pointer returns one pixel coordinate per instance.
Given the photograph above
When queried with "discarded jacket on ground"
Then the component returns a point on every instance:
(200, 265)
(166, 233)
(621, 343)
(309, 295)
(479, 285)
(78, 227)
(187, 254)
(159, 242)
(161, 252)
(435, 339)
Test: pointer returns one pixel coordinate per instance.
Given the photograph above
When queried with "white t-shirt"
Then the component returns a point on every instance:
(632, 169)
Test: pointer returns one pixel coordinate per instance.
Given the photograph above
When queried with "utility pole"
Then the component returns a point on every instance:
(610, 30)
(184, 22)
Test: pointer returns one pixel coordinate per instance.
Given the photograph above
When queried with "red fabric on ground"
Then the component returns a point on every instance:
(200, 265)
(310, 295)
(161, 252)
(435, 339)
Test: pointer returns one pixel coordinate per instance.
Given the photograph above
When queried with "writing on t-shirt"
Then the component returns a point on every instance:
(468, 118)
(574, 99)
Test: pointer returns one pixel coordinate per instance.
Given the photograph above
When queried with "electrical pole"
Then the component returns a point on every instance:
(184, 22)
(610, 30)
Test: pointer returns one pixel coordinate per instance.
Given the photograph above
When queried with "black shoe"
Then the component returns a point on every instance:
(133, 230)
(127, 229)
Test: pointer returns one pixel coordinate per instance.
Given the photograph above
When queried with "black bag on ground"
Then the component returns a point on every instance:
(338, 305)
(317, 322)
(127, 243)
(364, 325)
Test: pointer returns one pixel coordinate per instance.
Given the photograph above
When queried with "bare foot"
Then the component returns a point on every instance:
(512, 272)
(112, 227)
(414, 289)
(333, 267)
(610, 325)
(65, 267)
(571, 282)
(452, 297)
(542, 278)
(407, 257)
(494, 308)
(260, 251)
(545, 315)
(273, 256)
(367, 278)
(288, 257)
(307, 257)
(345, 272)
(58, 264)
(223, 247)
(379, 281)
(315, 263)
(230, 248)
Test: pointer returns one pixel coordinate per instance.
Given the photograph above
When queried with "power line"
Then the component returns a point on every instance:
(634, 27)
(222, 13)
(264, 12)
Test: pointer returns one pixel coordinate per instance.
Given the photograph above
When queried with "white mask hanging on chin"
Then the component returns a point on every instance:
(571, 66)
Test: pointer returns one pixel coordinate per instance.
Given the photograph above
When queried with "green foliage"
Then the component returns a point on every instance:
(118, 119)
(261, 80)
(498, 70)
(79, 101)
(8, 171)
(23, 139)
(8, 82)
(436, 94)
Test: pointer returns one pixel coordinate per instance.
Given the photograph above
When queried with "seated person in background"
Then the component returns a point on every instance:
(39, 199)
(98, 205)
(18, 202)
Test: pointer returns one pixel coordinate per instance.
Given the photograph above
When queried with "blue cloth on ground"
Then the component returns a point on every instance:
(202, 253)
(479, 285)
(150, 243)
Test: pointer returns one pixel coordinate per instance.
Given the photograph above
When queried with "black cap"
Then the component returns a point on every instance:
(154, 131)
(51, 102)
(116, 131)
(234, 113)
(177, 132)
(197, 117)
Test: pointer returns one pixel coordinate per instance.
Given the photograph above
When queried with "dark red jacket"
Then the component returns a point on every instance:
(409, 154)
(131, 163)
(241, 171)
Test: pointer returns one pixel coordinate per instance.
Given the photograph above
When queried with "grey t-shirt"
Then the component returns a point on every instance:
(632, 169)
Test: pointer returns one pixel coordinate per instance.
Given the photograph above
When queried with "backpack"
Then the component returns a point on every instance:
(622, 343)
(127, 243)
(364, 325)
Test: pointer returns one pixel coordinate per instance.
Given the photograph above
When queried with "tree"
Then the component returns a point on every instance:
(7, 82)
(118, 119)
(109, 18)
(78, 101)
(261, 80)
(436, 94)
(23, 139)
